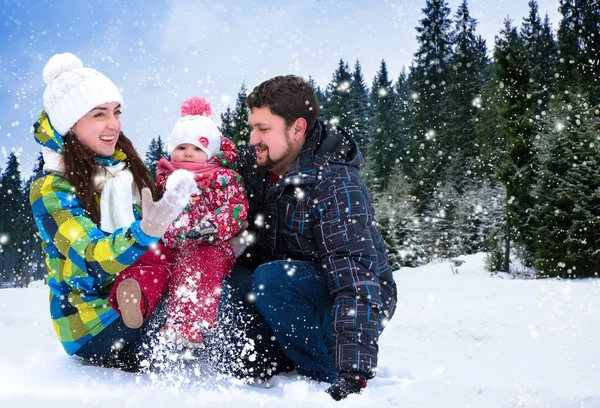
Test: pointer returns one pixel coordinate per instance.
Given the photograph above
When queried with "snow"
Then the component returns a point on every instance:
(457, 340)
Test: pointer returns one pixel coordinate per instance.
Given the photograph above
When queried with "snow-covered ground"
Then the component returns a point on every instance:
(457, 340)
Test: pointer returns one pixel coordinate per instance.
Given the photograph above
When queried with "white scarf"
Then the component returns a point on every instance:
(117, 191)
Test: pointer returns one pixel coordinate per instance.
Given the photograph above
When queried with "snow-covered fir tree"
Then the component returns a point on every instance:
(361, 128)
(542, 52)
(468, 62)
(226, 127)
(384, 149)
(156, 151)
(566, 216)
(14, 204)
(33, 261)
(429, 78)
(241, 128)
(516, 113)
(578, 47)
(338, 105)
(398, 222)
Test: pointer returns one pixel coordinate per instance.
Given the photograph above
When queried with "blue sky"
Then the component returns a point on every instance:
(161, 52)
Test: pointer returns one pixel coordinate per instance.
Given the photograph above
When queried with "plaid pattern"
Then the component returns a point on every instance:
(321, 211)
(46, 135)
(82, 260)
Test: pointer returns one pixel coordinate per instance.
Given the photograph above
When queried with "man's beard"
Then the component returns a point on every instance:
(269, 163)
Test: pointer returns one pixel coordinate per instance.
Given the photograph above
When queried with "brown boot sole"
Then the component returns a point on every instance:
(129, 296)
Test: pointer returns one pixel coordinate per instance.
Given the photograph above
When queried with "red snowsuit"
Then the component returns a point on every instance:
(200, 266)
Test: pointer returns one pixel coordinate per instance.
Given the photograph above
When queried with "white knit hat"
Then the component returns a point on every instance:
(72, 91)
(196, 127)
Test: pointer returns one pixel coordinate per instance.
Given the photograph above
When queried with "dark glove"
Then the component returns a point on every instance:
(346, 384)
(205, 231)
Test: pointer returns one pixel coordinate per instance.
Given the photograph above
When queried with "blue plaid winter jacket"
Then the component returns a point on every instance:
(320, 211)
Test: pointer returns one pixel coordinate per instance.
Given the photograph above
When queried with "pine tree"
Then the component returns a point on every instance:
(383, 152)
(516, 113)
(569, 52)
(590, 35)
(321, 98)
(396, 217)
(13, 203)
(429, 78)
(359, 103)
(489, 140)
(226, 128)
(541, 50)
(241, 128)
(567, 214)
(442, 235)
(401, 142)
(33, 255)
(156, 151)
(480, 216)
(468, 63)
(12, 195)
(338, 107)
(578, 47)
(492, 198)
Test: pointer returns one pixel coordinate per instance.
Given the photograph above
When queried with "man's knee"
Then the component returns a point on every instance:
(269, 285)
(268, 276)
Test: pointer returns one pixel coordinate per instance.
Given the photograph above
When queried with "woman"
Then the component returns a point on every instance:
(96, 236)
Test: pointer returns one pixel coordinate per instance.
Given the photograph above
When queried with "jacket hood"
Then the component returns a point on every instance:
(334, 145)
(227, 156)
(325, 145)
(45, 134)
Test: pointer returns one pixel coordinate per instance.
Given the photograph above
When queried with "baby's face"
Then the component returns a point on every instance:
(187, 152)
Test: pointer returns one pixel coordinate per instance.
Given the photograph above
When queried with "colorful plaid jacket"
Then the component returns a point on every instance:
(82, 260)
(321, 211)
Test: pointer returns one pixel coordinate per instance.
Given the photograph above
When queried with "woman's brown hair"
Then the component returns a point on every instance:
(81, 167)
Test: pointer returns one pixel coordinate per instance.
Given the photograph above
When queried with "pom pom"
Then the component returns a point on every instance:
(59, 64)
(196, 106)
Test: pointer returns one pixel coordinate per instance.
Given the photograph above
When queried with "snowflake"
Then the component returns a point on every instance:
(559, 126)
(259, 221)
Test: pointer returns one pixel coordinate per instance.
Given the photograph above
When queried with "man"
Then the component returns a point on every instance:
(321, 277)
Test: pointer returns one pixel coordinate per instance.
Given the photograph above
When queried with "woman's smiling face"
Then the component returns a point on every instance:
(99, 129)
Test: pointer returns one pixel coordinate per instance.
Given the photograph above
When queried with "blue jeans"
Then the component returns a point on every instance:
(242, 328)
(294, 299)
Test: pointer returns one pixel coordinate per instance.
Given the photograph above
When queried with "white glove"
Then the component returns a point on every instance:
(157, 216)
(181, 182)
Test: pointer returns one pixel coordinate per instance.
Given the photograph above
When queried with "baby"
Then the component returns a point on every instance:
(199, 235)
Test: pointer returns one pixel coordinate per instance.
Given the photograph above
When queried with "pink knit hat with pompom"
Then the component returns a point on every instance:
(196, 127)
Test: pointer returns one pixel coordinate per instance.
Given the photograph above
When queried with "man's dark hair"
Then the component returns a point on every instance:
(288, 96)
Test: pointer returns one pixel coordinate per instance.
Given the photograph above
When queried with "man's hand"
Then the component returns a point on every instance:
(346, 384)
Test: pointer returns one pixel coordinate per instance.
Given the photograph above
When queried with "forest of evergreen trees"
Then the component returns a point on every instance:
(469, 149)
